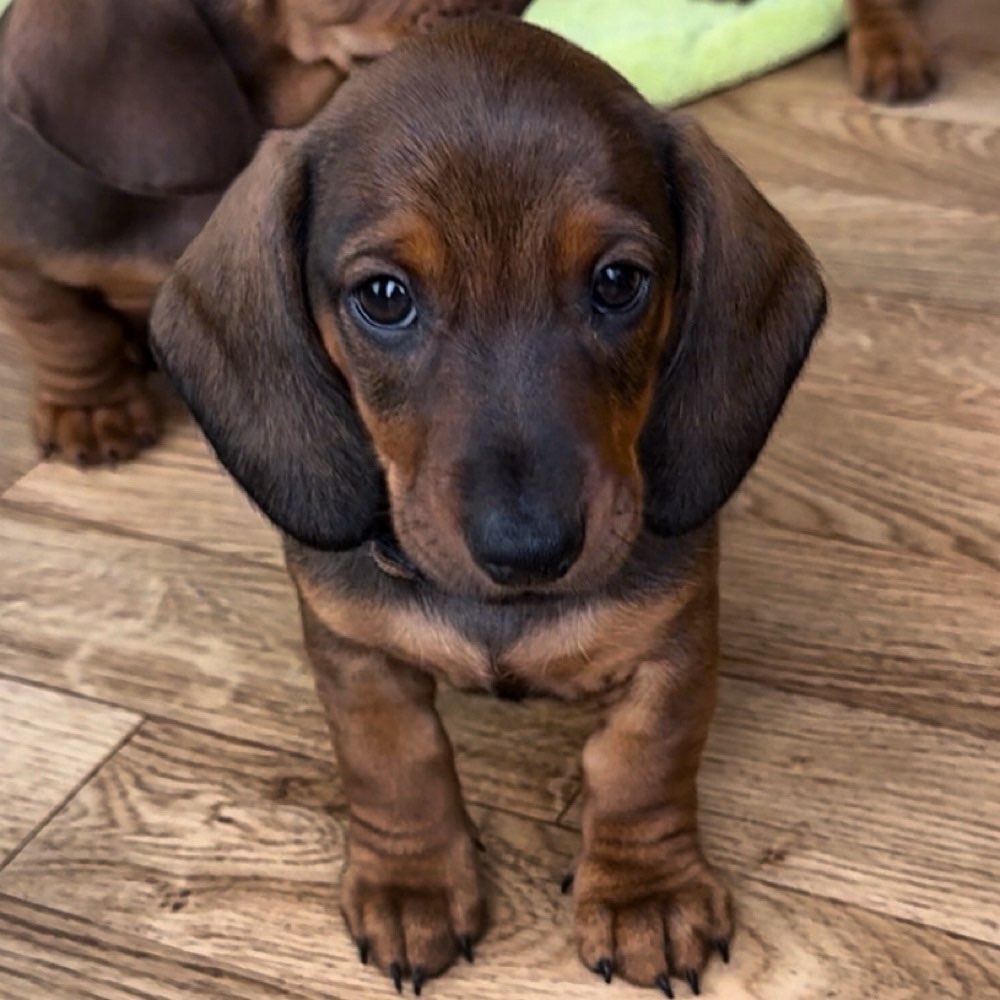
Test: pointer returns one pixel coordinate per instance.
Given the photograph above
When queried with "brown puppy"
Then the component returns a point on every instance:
(491, 340)
(121, 122)
(888, 53)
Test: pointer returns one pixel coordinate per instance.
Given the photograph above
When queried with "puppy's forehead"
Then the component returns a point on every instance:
(484, 116)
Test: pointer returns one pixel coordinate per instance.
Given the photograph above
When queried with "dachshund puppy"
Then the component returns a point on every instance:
(888, 54)
(121, 123)
(490, 341)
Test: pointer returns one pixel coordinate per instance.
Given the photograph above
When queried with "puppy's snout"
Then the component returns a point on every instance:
(524, 545)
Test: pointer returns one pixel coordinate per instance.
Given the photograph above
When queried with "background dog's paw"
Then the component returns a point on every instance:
(890, 60)
(660, 929)
(414, 917)
(93, 435)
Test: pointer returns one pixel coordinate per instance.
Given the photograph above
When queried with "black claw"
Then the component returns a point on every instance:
(465, 947)
(396, 974)
(722, 946)
(419, 978)
(480, 846)
(363, 950)
(692, 977)
(567, 883)
(662, 983)
(604, 968)
(48, 449)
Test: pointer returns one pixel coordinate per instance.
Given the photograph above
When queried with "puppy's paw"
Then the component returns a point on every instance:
(93, 435)
(414, 915)
(649, 926)
(890, 60)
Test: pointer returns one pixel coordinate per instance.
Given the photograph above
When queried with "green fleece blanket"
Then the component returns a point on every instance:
(676, 50)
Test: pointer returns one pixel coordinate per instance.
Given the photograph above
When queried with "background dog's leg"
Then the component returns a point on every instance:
(91, 404)
(888, 53)
(410, 891)
(647, 903)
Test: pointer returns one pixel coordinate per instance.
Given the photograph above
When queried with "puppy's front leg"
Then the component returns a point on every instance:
(647, 903)
(410, 890)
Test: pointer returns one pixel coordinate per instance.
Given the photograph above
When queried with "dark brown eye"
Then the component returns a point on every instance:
(384, 303)
(618, 287)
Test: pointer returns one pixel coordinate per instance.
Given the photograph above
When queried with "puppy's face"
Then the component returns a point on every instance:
(496, 292)
(492, 283)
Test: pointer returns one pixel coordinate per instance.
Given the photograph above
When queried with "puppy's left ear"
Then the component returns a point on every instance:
(233, 329)
(748, 302)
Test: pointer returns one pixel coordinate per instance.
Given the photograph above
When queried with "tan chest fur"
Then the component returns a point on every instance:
(586, 650)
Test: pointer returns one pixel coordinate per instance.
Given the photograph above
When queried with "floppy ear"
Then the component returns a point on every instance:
(137, 92)
(748, 302)
(233, 330)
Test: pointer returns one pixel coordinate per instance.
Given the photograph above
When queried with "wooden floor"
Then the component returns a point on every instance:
(171, 824)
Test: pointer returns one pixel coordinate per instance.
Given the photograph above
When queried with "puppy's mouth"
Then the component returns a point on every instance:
(388, 555)
(407, 565)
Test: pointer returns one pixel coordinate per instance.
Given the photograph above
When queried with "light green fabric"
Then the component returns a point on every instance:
(676, 50)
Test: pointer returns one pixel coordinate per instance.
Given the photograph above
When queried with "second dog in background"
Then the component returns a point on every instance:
(121, 124)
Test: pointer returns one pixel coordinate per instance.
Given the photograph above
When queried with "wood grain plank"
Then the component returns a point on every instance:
(868, 242)
(174, 492)
(901, 633)
(51, 955)
(215, 642)
(18, 453)
(898, 485)
(901, 358)
(833, 140)
(49, 742)
(864, 808)
(142, 851)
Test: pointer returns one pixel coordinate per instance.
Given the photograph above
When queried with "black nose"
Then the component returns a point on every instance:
(520, 547)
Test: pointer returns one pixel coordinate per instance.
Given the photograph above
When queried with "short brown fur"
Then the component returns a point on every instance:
(507, 392)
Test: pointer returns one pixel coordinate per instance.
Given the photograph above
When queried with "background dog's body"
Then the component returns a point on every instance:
(121, 123)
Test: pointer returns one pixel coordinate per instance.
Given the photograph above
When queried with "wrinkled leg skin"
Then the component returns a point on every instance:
(647, 905)
(410, 890)
(91, 402)
(887, 51)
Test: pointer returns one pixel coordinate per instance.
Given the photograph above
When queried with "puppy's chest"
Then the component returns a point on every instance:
(581, 650)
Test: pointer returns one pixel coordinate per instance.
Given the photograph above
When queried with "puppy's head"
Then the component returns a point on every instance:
(493, 292)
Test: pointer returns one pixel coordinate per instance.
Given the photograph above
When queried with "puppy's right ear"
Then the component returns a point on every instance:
(233, 330)
(138, 92)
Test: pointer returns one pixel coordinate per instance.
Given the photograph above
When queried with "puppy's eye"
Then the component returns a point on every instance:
(618, 287)
(385, 303)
